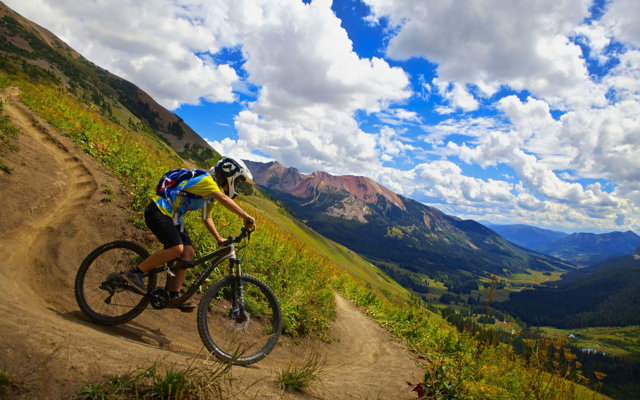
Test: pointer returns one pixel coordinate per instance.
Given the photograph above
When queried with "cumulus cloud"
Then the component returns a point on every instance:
(304, 115)
(157, 44)
(521, 44)
(237, 149)
(534, 129)
(457, 95)
(444, 182)
(330, 144)
(392, 144)
(622, 18)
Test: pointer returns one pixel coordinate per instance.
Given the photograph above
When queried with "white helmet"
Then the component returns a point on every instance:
(231, 171)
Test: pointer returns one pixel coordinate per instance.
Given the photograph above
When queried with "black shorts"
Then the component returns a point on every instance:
(162, 226)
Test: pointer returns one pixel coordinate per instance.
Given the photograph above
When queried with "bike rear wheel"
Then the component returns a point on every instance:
(101, 292)
(231, 335)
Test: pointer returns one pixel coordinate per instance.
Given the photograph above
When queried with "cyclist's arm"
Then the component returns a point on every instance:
(211, 227)
(231, 205)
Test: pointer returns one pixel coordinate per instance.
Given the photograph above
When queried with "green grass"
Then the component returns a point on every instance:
(299, 377)
(466, 364)
(184, 382)
(616, 341)
(6, 378)
(8, 134)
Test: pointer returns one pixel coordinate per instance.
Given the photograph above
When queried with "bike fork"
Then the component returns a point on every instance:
(238, 294)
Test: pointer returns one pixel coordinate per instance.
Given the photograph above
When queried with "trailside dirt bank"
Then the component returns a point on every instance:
(52, 216)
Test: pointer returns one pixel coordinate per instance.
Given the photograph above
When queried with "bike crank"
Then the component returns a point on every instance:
(159, 299)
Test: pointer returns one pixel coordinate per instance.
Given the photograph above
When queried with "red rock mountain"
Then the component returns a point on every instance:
(276, 176)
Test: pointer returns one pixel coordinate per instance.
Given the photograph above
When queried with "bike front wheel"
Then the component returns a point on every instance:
(241, 329)
(101, 292)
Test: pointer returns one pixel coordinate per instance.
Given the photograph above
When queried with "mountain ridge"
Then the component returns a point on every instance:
(581, 248)
(527, 236)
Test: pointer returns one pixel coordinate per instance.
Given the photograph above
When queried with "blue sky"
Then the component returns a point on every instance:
(509, 112)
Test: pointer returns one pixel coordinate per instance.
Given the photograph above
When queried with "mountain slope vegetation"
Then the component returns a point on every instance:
(31, 50)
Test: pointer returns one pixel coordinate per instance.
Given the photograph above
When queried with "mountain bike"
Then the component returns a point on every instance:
(239, 316)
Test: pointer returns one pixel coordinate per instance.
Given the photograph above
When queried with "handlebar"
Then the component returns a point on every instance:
(231, 240)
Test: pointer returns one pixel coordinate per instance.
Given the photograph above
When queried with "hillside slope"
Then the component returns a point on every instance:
(53, 216)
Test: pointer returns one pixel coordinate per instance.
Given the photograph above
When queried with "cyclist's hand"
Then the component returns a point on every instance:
(250, 223)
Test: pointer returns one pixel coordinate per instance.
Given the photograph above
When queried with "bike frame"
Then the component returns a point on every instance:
(217, 257)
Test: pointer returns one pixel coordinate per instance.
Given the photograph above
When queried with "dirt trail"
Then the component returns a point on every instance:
(52, 216)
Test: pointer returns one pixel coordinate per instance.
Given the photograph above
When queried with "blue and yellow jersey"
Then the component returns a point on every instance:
(200, 186)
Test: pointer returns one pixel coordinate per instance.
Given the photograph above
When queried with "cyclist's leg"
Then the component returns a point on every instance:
(160, 257)
(187, 254)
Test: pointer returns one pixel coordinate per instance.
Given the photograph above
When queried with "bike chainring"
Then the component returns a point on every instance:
(159, 299)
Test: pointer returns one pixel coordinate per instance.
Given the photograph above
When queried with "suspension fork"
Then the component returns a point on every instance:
(238, 291)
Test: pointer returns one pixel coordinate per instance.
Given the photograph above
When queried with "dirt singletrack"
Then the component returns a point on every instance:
(58, 204)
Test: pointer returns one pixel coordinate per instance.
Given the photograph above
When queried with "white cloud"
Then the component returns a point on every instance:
(597, 38)
(399, 116)
(392, 145)
(622, 17)
(444, 182)
(457, 95)
(535, 130)
(304, 115)
(334, 144)
(520, 44)
(237, 149)
(472, 127)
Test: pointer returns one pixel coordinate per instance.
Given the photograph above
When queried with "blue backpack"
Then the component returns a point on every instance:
(171, 179)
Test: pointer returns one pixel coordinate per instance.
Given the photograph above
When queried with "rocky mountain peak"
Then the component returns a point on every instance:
(277, 176)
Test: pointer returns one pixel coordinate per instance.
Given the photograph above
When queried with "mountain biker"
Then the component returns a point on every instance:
(164, 219)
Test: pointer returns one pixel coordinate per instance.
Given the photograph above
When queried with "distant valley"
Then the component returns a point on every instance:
(605, 294)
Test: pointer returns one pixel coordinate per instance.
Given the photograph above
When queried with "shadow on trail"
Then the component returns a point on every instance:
(132, 330)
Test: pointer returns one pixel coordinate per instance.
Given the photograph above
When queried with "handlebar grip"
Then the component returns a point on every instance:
(230, 240)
